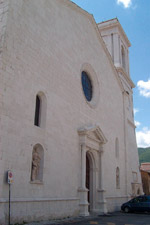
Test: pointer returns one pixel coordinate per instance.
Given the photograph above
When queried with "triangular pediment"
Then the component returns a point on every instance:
(94, 133)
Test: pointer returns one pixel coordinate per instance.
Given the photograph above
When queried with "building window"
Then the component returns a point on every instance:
(40, 110)
(117, 148)
(123, 57)
(87, 86)
(37, 111)
(117, 178)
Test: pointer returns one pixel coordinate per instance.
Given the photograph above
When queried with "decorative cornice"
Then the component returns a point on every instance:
(88, 130)
(114, 23)
(127, 78)
(131, 123)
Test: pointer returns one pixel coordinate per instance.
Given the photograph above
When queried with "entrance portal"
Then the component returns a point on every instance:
(91, 192)
(88, 179)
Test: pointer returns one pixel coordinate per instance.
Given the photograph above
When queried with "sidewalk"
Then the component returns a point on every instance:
(75, 220)
(68, 221)
(116, 218)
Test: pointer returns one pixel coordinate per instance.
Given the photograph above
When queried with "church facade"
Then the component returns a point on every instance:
(67, 126)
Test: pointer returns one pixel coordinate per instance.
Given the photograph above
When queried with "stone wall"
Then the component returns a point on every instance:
(48, 45)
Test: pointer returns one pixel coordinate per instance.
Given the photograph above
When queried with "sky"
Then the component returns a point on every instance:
(134, 16)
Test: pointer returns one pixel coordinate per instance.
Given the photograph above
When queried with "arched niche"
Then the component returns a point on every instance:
(37, 163)
(117, 178)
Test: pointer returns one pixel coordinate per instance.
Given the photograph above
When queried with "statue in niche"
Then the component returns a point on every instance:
(35, 165)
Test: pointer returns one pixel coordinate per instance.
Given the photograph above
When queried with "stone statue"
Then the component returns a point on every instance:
(35, 165)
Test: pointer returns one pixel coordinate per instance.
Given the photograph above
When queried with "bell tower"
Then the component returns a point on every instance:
(117, 43)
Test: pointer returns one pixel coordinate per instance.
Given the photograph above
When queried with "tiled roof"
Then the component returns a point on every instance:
(145, 167)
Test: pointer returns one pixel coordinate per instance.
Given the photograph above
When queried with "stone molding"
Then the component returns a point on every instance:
(95, 84)
(36, 182)
(131, 123)
(95, 25)
(114, 23)
(3, 200)
(116, 197)
(127, 78)
(88, 131)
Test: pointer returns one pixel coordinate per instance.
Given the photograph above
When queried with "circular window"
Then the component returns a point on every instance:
(87, 86)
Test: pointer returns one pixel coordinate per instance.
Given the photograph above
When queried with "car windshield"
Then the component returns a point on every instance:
(139, 199)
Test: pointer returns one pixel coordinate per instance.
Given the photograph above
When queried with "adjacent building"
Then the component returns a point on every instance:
(145, 174)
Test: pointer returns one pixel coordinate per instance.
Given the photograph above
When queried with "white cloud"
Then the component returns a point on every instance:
(143, 137)
(126, 3)
(144, 88)
(137, 124)
(135, 110)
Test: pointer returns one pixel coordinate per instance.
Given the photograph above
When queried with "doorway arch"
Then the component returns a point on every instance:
(90, 178)
(92, 140)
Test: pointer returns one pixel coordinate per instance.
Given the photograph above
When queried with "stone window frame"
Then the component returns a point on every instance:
(86, 67)
(87, 86)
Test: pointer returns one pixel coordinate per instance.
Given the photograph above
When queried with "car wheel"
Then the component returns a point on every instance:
(126, 209)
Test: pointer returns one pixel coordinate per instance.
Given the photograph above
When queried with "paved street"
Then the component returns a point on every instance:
(118, 218)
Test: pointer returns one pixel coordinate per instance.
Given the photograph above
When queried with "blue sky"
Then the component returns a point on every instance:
(134, 16)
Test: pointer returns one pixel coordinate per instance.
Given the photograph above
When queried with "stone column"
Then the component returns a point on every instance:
(83, 165)
(116, 50)
(83, 191)
(102, 208)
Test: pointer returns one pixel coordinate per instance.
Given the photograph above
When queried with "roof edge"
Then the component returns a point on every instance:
(114, 23)
(91, 18)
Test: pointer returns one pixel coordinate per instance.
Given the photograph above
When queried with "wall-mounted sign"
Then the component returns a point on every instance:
(10, 177)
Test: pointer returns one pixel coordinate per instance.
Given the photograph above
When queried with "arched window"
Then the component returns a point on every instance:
(37, 163)
(87, 86)
(40, 110)
(123, 57)
(37, 111)
(117, 178)
(117, 148)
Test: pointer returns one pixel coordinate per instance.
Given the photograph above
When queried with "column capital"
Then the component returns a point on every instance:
(83, 145)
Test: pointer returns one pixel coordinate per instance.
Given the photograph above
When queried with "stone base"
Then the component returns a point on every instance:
(102, 203)
(83, 204)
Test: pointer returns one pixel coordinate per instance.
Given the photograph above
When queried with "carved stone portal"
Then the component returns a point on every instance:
(92, 196)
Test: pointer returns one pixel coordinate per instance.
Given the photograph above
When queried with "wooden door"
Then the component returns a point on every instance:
(88, 177)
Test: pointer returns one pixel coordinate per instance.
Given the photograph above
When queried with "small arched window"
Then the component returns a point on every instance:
(117, 148)
(117, 178)
(40, 110)
(123, 57)
(37, 111)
